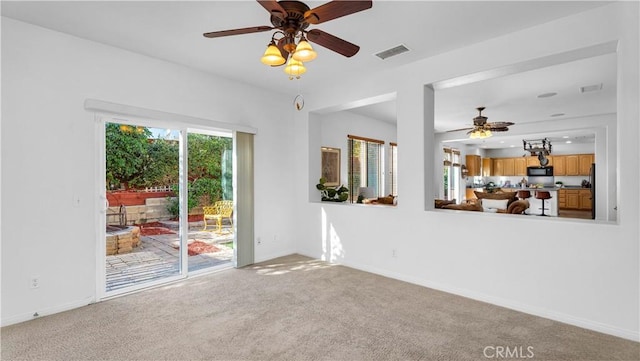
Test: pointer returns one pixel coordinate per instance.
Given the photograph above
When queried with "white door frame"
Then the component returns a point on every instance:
(127, 114)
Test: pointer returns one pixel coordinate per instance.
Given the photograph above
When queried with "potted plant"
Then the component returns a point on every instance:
(332, 194)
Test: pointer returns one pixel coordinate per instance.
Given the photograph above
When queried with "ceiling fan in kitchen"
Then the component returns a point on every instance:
(289, 42)
(482, 128)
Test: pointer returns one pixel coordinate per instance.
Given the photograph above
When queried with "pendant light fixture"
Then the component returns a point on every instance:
(272, 55)
(304, 51)
(480, 134)
(294, 68)
(298, 53)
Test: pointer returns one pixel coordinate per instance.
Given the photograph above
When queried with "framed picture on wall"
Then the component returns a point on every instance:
(331, 166)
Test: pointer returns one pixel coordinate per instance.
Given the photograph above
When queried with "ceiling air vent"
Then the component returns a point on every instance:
(392, 52)
(591, 88)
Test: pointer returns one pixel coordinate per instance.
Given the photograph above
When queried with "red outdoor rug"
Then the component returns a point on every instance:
(154, 228)
(199, 247)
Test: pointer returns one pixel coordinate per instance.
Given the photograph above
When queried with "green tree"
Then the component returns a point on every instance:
(136, 160)
(210, 173)
(206, 157)
(126, 152)
(161, 167)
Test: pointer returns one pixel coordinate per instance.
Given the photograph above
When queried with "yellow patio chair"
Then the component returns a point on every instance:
(219, 210)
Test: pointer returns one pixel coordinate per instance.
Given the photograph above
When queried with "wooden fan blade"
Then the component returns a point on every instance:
(274, 8)
(254, 29)
(457, 130)
(499, 129)
(499, 124)
(335, 9)
(334, 43)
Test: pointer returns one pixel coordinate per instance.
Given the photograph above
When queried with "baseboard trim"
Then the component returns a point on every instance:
(270, 256)
(46, 312)
(506, 303)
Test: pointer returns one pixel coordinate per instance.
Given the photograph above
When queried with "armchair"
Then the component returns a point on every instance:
(219, 210)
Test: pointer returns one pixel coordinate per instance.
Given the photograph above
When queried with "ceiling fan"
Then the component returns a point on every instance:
(483, 129)
(291, 19)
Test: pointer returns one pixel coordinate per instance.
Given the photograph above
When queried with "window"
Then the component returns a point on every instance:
(451, 173)
(394, 169)
(365, 166)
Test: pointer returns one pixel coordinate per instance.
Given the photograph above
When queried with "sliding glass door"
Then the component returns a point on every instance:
(169, 204)
(210, 202)
(142, 217)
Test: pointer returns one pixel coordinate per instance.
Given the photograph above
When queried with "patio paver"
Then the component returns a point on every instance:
(156, 258)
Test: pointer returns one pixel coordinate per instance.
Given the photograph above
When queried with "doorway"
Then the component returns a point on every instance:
(152, 233)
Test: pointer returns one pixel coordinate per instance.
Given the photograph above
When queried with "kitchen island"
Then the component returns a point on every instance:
(535, 204)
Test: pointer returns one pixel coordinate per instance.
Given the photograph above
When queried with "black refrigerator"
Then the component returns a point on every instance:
(592, 183)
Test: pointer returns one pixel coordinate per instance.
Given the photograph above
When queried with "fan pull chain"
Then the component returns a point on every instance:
(298, 101)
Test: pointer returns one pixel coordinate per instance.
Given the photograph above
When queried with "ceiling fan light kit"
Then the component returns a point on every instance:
(480, 134)
(272, 55)
(304, 51)
(291, 19)
(294, 68)
(483, 129)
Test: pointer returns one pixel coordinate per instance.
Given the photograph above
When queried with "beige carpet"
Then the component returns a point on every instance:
(296, 308)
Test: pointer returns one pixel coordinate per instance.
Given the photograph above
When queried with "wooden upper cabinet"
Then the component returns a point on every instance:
(584, 163)
(533, 161)
(563, 165)
(559, 165)
(474, 165)
(498, 167)
(487, 167)
(572, 164)
(508, 167)
(520, 166)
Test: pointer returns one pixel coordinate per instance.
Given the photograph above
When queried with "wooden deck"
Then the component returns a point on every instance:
(157, 257)
(140, 267)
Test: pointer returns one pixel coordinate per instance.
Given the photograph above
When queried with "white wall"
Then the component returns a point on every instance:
(334, 128)
(48, 155)
(583, 273)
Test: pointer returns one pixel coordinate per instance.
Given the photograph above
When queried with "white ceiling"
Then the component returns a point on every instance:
(172, 30)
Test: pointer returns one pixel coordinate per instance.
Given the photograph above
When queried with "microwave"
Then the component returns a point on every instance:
(539, 171)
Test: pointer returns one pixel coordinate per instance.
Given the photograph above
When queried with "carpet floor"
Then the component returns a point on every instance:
(297, 308)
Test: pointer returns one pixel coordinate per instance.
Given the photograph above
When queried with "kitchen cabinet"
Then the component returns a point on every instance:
(532, 161)
(520, 166)
(474, 165)
(469, 193)
(559, 165)
(577, 164)
(487, 167)
(563, 165)
(503, 167)
(508, 167)
(562, 199)
(572, 165)
(585, 199)
(573, 199)
(498, 167)
(584, 163)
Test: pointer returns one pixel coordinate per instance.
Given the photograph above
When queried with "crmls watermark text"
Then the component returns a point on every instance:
(510, 352)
